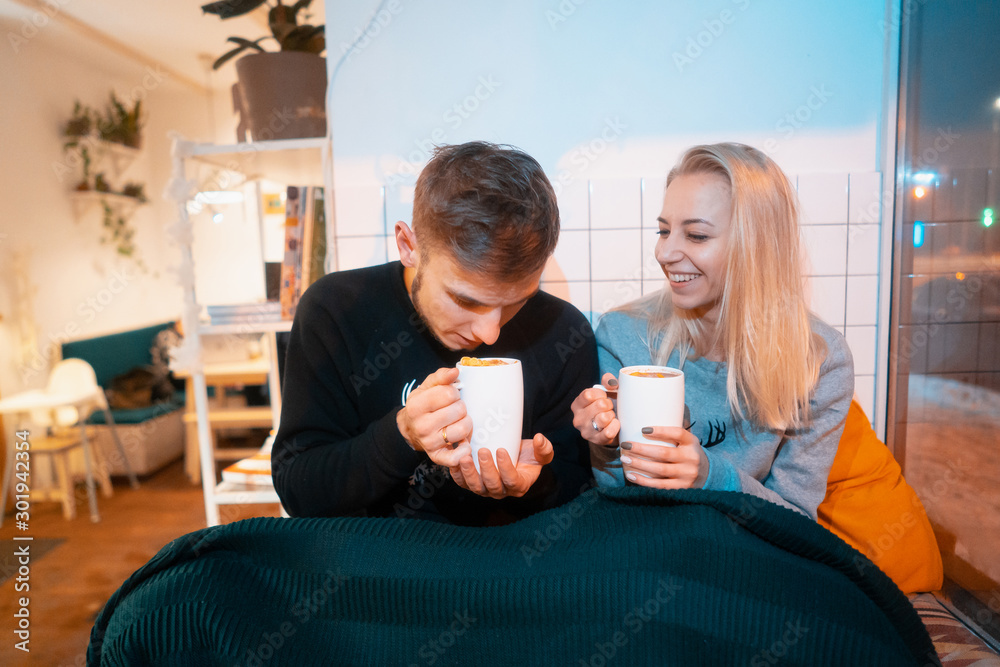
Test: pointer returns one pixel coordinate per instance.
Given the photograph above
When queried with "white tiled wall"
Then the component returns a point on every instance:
(841, 215)
(605, 252)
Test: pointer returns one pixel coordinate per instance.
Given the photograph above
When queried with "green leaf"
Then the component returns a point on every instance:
(305, 38)
(244, 44)
(255, 44)
(227, 9)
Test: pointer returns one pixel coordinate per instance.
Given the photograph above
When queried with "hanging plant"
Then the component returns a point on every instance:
(118, 232)
(84, 184)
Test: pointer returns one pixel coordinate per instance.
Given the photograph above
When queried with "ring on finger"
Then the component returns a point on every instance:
(444, 436)
(593, 422)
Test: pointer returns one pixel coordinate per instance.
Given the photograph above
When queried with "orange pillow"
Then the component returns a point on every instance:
(870, 506)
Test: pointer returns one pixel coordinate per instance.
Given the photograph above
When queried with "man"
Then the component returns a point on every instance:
(370, 422)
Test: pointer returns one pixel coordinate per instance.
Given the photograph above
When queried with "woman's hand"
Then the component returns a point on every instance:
(594, 414)
(682, 467)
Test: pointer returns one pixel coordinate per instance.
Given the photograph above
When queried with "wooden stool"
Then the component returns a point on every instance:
(58, 446)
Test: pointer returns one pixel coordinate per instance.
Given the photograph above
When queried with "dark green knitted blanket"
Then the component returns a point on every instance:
(625, 576)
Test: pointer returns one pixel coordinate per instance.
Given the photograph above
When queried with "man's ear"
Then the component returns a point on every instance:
(406, 242)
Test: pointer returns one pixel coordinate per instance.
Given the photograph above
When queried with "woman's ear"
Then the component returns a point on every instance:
(406, 242)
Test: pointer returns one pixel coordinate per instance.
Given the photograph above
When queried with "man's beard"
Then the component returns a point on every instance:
(415, 300)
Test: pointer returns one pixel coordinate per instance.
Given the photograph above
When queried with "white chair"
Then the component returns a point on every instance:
(66, 427)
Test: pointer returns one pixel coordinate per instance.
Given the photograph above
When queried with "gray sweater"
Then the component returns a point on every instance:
(789, 468)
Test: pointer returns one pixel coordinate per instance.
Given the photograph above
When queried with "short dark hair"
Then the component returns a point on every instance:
(490, 206)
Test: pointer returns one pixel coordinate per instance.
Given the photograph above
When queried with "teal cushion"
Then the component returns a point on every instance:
(115, 354)
(139, 415)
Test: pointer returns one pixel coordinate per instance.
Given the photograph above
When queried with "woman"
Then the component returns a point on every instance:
(767, 383)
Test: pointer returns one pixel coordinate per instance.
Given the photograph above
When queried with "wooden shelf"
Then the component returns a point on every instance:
(236, 417)
(288, 161)
(251, 371)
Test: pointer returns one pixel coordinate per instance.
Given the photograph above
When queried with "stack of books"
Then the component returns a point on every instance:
(305, 245)
(255, 470)
(245, 313)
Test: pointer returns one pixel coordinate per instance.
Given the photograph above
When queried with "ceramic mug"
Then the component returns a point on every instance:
(494, 399)
(649, 396)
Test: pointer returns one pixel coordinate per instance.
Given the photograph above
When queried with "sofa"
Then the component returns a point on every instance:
(151, 436)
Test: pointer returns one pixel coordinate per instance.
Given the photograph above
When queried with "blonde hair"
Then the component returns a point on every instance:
(772, 355)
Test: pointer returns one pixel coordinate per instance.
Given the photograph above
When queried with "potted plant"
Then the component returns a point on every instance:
(282, 93)
(77, 131)
(80, 123)
(120, 124)
(136, 191)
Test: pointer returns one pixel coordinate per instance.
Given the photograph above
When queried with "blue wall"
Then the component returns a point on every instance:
(803, 78)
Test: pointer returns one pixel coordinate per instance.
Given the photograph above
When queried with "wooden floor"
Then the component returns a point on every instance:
(70, 584)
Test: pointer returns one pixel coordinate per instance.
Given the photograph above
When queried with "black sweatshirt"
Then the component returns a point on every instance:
(358, 347)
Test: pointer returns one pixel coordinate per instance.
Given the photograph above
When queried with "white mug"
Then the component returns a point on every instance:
(654, 398)
(494, 400)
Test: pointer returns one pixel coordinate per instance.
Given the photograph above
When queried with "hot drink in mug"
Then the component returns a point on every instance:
(493, 392)
(649, 396)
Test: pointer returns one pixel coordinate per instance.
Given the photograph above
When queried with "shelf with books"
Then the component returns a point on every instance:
(297, 163)
(305, 245)
(244, 318)
(249, 479)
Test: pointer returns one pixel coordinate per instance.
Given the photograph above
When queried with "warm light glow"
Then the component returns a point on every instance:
(919, 192)
(997, 103)
(960, 275)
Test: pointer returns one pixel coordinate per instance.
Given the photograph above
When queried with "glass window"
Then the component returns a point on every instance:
(945, 384)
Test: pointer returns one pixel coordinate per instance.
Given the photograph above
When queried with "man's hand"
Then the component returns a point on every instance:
(434, 419)
(508, 480)
(682, 467)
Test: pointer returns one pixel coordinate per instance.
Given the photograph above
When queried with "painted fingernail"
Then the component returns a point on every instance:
(612, 382)
(630, 477)
(646, 430)
(626, 460)
(626, 445)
